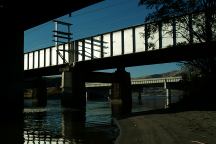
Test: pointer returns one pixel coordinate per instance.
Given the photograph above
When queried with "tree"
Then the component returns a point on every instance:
(197, 23)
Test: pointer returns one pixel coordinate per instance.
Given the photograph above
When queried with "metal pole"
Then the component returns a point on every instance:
(56, 41)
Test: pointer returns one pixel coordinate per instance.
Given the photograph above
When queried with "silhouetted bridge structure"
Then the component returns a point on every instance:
(150, 43)
(171, 82)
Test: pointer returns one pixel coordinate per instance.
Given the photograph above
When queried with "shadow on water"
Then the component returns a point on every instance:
(54, 124)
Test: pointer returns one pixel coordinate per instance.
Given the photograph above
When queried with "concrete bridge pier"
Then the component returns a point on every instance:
(121, 97)
(73, 93)
(39, 93)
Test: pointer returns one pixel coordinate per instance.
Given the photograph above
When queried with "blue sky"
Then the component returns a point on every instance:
(102, 17)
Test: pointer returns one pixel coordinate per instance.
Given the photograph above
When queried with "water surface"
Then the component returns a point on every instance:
(54, 124)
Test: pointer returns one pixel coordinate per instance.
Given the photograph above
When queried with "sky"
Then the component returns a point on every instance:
(99, 18)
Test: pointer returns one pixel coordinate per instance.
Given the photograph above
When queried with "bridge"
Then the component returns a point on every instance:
(142, 81)
(131, 46)
(149, 43)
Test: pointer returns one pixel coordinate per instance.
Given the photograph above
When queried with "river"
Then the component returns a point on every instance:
(54, 125)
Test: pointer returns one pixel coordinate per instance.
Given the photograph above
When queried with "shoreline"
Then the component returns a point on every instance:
(165, 127)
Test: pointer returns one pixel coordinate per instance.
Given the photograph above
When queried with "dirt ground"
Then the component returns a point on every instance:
(189, 127)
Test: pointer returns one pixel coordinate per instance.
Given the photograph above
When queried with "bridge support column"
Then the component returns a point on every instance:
(140, 96)
(73, 93)
(39, 94)
(168, 95)
(121, 97)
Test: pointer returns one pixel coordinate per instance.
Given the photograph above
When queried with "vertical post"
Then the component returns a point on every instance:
(63, 51)
(122, 41)
(38, 59)
(76, 51)
(56, 41)
(28, 61)
(92, 48)
(44, 57)
(168, 95)
(134, 39)
(33, 61)
(146, 37)
(71, 53)
(50, 49)
(83, 49)
(68, 26)
(101, 45)
(168, 98)
(111, 44)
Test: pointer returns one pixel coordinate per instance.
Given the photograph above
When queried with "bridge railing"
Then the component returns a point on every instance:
(139, 38)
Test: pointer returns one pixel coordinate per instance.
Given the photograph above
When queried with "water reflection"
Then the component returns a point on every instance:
(72, 129)
(56, 125)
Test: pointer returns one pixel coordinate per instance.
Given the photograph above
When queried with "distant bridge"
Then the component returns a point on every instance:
(142, 81)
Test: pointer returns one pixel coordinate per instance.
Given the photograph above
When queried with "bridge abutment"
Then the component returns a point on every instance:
(73, 93)
(121, 97)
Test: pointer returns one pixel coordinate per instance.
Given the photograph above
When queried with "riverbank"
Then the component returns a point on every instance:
(162, 127)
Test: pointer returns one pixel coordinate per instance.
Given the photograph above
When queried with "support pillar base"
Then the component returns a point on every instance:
(121, 97)
(73, 94)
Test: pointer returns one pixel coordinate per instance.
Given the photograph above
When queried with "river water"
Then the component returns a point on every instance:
(54, 125)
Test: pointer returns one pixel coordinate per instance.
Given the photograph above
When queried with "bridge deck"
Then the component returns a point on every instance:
(131, 46)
